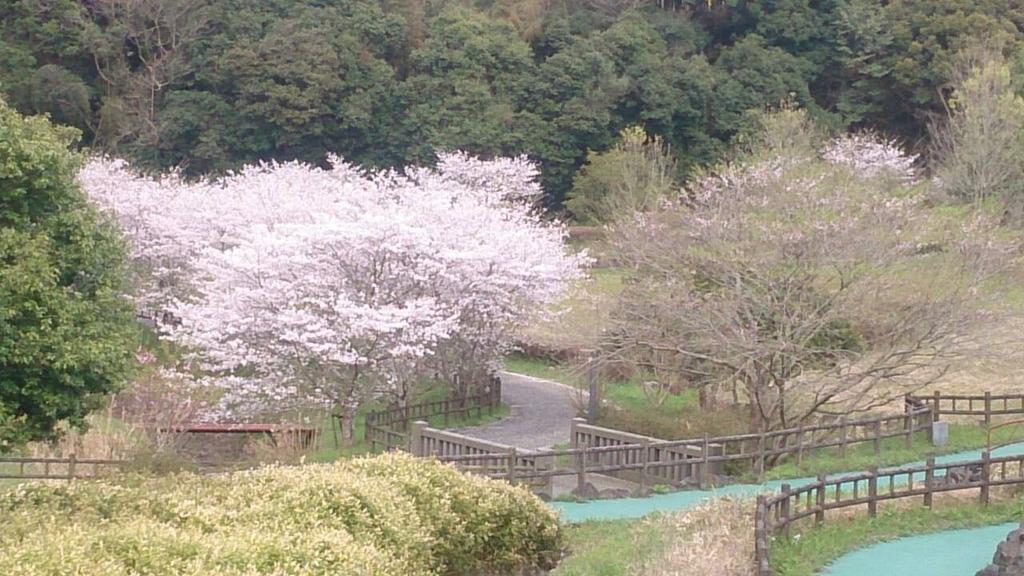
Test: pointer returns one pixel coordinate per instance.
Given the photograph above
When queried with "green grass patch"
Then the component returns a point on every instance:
(610, 547)
(893, 452)
(817, 547)
(538, 368)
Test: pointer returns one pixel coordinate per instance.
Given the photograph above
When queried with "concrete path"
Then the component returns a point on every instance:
(540, 413)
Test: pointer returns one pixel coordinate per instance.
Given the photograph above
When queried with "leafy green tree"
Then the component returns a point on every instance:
(466, 84)
(979, 149)
(633, 176)
(65, 323)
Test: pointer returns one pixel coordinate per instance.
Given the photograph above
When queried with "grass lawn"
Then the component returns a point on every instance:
(611, 547)
(817, 547)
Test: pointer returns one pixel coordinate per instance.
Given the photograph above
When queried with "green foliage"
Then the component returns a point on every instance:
(386, 516)
(65, 325)
(979, 147)
(633, 176)
(207, 85)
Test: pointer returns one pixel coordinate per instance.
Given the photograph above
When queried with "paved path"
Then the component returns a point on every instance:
(951, 553)
(540, 413)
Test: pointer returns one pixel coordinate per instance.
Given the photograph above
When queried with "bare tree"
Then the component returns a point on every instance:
(810, 286)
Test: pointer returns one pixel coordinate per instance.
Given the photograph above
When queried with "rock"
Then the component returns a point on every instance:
(612, 493)
(1009, 557)
(587, 492)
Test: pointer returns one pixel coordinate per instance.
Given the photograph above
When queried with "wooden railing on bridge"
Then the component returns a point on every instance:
(388, 429)
(648, 461)
(776, 514)
(70, 468)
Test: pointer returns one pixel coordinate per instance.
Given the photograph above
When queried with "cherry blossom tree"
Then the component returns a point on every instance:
(813, 284)
(301, 286)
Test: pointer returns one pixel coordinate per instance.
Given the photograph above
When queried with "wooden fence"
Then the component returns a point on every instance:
(776, 514)
(985, 405)
(68, 468)
(645, 460)
(388, 429)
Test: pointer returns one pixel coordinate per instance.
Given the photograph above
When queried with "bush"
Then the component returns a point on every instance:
(385, 516)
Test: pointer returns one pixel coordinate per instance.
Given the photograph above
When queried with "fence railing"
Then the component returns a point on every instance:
(388, 429)
(777, 513)
(56, 468)
(648, 461)
(985, 405)
(596, 450)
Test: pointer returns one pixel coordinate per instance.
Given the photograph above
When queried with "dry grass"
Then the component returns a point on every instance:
(714, 539)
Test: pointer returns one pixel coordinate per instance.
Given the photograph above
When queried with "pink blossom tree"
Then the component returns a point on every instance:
(300, 286)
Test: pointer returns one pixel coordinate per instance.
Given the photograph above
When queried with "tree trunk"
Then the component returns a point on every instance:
(348, 425)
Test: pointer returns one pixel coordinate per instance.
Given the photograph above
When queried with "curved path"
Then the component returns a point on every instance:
(951, 553)
(676, 501)
(540, 413)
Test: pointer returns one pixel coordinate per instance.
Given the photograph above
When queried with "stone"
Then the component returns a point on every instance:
(612, 493)
(940, 433)
(586, 492)
(1009, 557)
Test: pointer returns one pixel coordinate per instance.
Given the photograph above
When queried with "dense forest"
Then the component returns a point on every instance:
(208, 85)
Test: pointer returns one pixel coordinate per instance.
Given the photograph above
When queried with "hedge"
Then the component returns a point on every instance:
(390, 515)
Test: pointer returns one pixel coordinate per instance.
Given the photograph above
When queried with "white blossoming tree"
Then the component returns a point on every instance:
(301, 286)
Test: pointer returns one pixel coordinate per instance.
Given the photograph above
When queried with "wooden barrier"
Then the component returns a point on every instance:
(387, 429)
(659, 463)
(774, 515)
(482, 457)
(985, 405)
(596, 450)
(69, 468)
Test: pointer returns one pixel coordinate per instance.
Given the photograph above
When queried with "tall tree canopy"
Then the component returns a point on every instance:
(65, 337)
(211, 85)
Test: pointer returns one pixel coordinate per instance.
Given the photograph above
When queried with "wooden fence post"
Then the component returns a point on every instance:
(785, 509)
(873, 491)
(761, 538)
(644, 449)
(416, 438)
(761, 448)
(800, 445)
(929, 481)
(819, 514)
(988, 409)
(936, 415)
(705, 467)
(842, 437)
(878, 437)
(71, 466)
(908, 423)
(581, 468)
(512, 466)
(986, 476)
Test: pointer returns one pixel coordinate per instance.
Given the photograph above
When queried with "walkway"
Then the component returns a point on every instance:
(951, 553)
(540, 413)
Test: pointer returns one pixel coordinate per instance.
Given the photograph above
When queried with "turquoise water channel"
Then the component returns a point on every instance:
(951, 553)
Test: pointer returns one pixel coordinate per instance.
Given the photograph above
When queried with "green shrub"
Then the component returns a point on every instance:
(391, 515)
